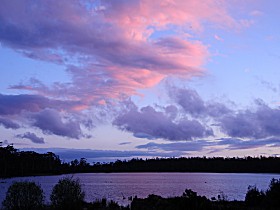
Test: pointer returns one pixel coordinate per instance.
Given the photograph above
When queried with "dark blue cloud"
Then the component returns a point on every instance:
(9, 123)
(189, 100)
(31, 136)
(125, 143)
(261, 122)
(256, 122)
(15, 104)
(237, 144)
(106, 155)
(194, 105)
(152, 124)
(41, 112)
(177, 146)
(50, 122)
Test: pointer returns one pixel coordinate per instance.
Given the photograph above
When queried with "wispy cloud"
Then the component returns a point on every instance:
(177, 146)
(67, 154)
(125, 143)
(238, 144)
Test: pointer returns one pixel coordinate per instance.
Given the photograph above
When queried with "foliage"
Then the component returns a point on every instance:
(24, 196)
(189, 194)
(103, 204)
(25, 163)
(67, 194)
(273, 193)
(22, 163)
(254, 197)
(193, 164)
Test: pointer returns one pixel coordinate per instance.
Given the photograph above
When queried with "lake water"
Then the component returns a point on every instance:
(119, 186)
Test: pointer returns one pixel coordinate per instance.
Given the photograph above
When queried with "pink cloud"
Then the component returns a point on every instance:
(256, 13)
(137, 15)
(218, 38)
(111, 41)
(117, 47)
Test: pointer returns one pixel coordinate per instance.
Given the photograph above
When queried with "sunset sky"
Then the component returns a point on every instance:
(117, 79)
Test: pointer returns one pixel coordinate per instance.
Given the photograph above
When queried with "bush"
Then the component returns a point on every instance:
(273, 193)
(190, 194)
(24, 196)
(67, 194)
(254, 197)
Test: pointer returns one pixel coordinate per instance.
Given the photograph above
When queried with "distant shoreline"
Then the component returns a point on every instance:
(15, 163)
(147, 172)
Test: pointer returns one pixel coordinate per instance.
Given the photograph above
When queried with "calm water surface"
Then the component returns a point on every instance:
(119, 186)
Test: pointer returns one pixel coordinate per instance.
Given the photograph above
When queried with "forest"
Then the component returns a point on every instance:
(14, 162)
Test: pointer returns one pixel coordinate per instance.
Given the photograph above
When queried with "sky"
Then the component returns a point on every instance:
(119, 79)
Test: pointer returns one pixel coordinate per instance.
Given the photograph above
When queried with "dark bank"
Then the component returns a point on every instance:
(14, 162)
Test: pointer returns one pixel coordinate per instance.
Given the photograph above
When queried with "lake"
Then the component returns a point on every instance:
(119, 186)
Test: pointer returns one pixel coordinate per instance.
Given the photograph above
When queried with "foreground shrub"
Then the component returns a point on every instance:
(67, 194)
(254, 197)
(24, 196)
(273, 193)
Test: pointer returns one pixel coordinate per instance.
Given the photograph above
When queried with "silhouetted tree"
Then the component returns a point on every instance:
(254, 197)
(24, 163)
(24, 196)
(67, 194)
(273, 193)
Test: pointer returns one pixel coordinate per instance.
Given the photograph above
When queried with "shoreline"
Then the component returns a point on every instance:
(138, 172)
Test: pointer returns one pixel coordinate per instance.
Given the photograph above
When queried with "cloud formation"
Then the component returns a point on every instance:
(111, 49)
(237, 144)
(113, 43)
(264, 122)
(194, 105)
(177, 146)
(257, 122)
(149, 123)
(50, 122)
(43, 113)
(67, 154)
(8, 123)
(16, 104)
(199, 145)
(201, 123)
(32, 137)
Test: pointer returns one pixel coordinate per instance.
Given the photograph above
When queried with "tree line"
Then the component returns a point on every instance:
(14, 162)
(194, 164)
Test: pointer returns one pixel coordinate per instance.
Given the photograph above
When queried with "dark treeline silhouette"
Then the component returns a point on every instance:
(194, 164)
(14, 162)
(24, 163)
(19, 163)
